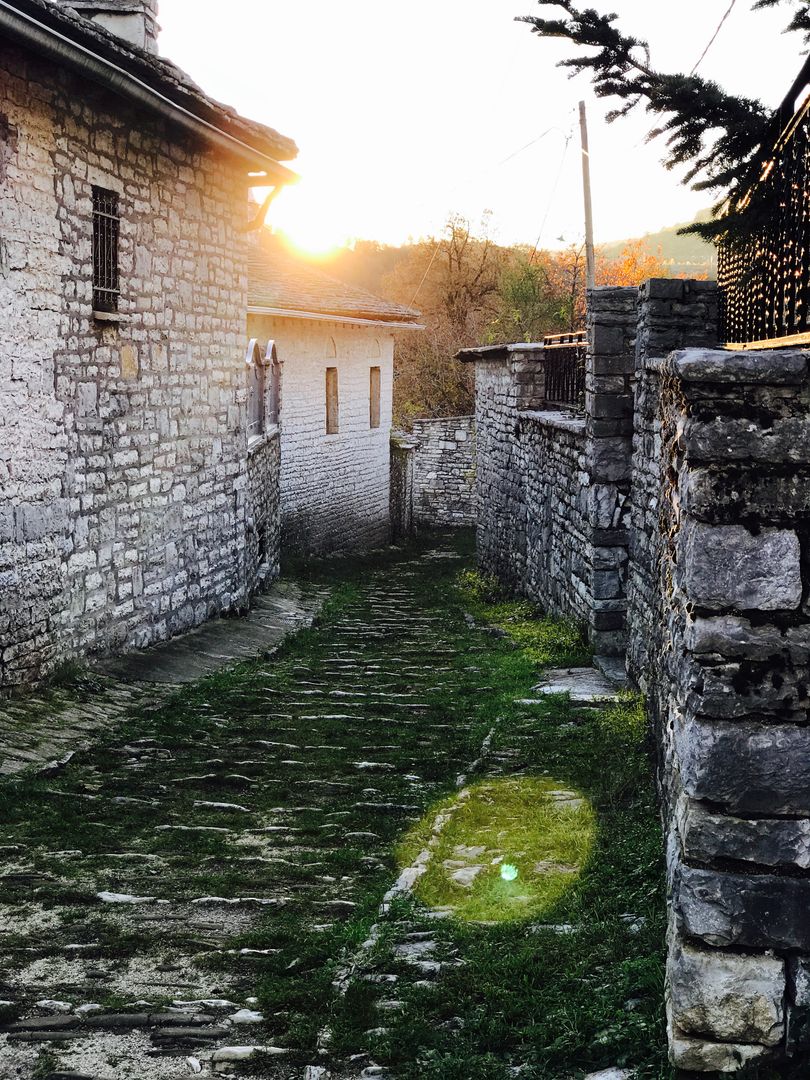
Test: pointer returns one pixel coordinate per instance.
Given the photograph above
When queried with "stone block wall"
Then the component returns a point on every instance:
(335, 489)
(672, 314)
(444, 472)
(507, 381)
(559, 554)
(553, 486)
(730, 689)
(123, 445)
(263, 540)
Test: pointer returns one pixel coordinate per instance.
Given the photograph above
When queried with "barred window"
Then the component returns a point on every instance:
(106, 233)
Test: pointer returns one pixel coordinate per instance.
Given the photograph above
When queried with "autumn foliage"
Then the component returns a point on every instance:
(472, 291)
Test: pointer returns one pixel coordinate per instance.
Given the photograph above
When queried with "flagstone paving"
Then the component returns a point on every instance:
(213, 888)
(46, 730)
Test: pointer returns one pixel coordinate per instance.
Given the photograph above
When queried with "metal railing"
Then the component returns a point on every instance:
(764, 261)
(564, 367)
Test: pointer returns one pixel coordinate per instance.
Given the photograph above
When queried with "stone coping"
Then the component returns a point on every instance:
(557, 420)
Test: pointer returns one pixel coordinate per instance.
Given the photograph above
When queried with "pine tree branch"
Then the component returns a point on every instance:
(713, 133)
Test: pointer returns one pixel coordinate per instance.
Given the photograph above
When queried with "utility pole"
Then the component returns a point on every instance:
(590, 261)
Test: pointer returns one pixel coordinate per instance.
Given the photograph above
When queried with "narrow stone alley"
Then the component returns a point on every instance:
(223, 883)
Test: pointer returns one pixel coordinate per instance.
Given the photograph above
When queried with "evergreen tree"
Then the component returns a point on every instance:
(716, 135)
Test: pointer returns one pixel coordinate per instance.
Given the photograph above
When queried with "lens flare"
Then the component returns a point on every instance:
(509, 872)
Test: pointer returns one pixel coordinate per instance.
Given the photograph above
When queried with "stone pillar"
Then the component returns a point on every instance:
(733, 681)
(403, 450)
(672, 314)
(609, 378)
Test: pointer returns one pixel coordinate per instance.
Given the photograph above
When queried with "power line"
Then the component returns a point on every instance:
(550, 203)
(509, 157)
(714, 36)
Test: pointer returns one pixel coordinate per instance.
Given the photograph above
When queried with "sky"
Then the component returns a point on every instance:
(407, 112)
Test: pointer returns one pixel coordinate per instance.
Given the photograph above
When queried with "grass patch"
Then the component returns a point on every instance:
(546, 641)
(509, 850)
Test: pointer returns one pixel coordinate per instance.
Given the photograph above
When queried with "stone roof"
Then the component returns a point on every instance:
(280, 282)
(159, 74)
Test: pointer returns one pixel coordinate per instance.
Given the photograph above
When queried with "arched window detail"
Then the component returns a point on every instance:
(273, 382)
(256, 385)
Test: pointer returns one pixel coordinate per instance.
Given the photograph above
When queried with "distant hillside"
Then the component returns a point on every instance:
(685, 255)
(369, 263)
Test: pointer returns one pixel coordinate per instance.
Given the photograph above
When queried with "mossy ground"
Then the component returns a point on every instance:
(335, 749)
(517, 822)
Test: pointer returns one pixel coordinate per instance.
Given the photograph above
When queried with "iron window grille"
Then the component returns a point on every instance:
(106, 239)
(564, 367)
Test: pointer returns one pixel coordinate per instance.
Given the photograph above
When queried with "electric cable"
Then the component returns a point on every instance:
(714, 36)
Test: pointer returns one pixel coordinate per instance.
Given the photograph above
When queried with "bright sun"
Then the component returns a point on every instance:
(308, 228)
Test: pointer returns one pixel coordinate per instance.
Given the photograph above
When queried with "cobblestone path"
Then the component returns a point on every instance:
(212, 888)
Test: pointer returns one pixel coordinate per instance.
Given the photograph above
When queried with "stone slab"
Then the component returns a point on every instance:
(751, 911)
(583, 684)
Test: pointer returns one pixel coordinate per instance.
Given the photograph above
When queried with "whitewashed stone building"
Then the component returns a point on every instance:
(335, 343)
(132, 506)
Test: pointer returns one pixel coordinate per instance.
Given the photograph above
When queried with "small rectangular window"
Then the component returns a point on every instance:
(374, 398)
(106, 233)
(332, 404)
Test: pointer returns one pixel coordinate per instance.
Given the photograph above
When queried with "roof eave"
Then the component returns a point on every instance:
(30, 31)
(320, 316)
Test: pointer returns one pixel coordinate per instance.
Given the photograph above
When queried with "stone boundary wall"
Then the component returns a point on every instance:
(559, 553)
(507, 381)
(730, 692)
(705, 490)
(672, 314)
(444, 472)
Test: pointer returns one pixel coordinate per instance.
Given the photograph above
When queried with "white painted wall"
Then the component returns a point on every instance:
(334, 488)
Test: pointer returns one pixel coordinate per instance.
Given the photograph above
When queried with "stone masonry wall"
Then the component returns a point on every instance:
(335, 489)
(715, 514)
(732, 687)
(444, 472)
(123, 447)
(672, 314)
(553, 486)
(558, 547)
(506, 382)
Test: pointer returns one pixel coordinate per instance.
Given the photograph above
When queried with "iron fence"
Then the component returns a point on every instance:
(764, 261)
(564, 367)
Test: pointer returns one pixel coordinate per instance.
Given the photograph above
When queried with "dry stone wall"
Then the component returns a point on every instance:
(123, 446)
(702, 494)
(672, 314)
(730, 693)
(444, 472)
(553, 486)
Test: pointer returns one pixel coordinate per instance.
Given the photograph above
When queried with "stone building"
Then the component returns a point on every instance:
(335, 344)
(133, 504)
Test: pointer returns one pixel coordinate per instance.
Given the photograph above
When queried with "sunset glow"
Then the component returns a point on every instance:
(403, 116)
